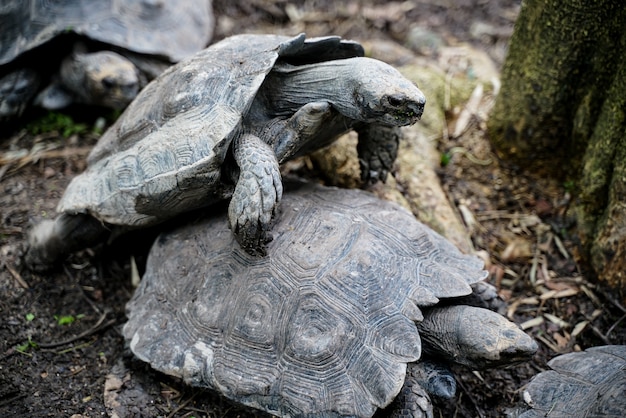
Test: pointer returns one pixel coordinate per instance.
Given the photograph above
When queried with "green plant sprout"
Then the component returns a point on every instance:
(67, 319)
(55, 121)
(23, 348)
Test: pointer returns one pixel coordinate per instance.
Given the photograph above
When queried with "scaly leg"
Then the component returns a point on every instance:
(295, 136)
(257, 193)
(377, 149)
(52, 240)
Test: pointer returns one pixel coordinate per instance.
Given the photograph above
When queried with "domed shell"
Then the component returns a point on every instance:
(165, 152)
(323, 325)
(591, 383)
(165, 28)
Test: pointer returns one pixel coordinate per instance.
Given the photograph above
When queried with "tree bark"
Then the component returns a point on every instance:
(560, 113)
(601, 207)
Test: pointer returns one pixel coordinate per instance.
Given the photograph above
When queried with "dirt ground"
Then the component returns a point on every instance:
(60, 339)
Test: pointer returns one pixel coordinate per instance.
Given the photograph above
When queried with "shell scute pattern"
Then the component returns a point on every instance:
(155, 162)
(332, 332)
(303, 257)
(127, 171)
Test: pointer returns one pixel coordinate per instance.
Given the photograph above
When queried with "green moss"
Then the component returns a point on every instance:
(442, 94)
(561, 62)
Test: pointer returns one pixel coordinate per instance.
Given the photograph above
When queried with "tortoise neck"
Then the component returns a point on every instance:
(287, 88)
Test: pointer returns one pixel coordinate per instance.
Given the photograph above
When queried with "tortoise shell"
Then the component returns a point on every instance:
(324, 325)
(169, 29)
(165, 154)
(591, 383)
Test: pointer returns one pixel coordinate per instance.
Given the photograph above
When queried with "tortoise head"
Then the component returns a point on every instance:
(101, 78)
(383, 95)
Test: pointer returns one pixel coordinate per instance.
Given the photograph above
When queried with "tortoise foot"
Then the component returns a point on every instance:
(377, 149)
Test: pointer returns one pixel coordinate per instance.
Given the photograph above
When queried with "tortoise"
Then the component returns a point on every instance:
(590, 383)
(98, 53)
(352, 290)
(217, 126)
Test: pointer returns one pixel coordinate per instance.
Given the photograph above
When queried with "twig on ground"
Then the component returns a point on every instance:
(17, 276)
(182, 406)
(4, 169)
(20, 160)
(97, 327)
(82, 291)
(10, 400)
(615, 325)
(463, 151)
(468, 393)
(548, 343)
(599, 333)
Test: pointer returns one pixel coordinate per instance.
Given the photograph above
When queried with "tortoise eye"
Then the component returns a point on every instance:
(108, 83)
(395, 101)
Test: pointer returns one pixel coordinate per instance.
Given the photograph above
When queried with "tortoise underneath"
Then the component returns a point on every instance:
(333, 322)
(97, 53)
(590, 383)
(217, 126)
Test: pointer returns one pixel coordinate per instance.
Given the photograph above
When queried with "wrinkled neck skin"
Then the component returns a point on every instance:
(287, 87)
(73, 77)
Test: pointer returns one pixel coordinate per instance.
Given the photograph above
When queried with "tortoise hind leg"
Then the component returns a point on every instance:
(52, 240)
(257, 193)
(413, 401)
(16, 91)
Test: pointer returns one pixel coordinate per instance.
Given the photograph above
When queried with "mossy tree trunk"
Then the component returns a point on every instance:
(561, 113)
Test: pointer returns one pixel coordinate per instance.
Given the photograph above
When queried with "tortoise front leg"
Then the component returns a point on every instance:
(257, 193)
(296, 136)
(377, 150)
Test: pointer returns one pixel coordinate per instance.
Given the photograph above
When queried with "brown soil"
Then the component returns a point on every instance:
(49, 369)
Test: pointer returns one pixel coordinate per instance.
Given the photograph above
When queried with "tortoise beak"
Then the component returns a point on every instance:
(411, 105)
(407, 108)
(417, 105)
(417, 108)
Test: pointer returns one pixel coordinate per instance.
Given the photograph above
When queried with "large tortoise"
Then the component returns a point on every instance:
(95, 52)
(591, 383)
(352, 289)
(218, 125)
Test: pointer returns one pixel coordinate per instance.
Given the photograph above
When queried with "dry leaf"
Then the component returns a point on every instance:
(551, 345)
(532, 323)
(518, 249)
(561, 341)
(560, 286)
(579, 327)
(555, 294)
(556, 320)
(470, 109)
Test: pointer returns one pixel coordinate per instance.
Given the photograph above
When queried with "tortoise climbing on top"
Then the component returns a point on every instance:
(218, 125)
(94, 52)
(352, 289)
(591, 383)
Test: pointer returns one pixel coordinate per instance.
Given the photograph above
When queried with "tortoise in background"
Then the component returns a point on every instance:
(353, 290)
(590, 383)
(217, 126)
(93, 52)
